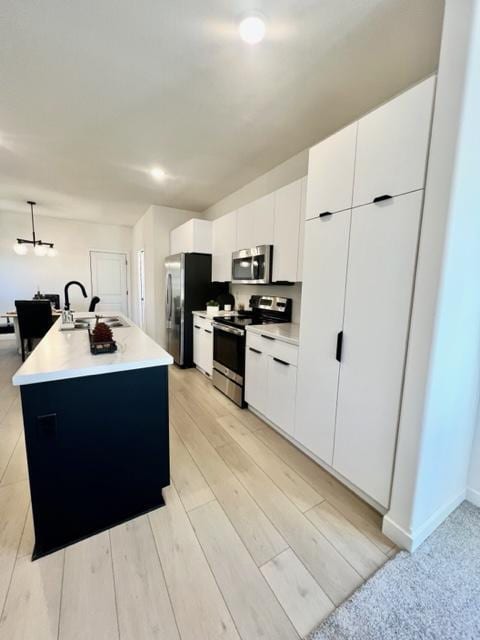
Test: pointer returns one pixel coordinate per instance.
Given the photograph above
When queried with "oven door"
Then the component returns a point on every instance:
(252, 266)
(229, 351)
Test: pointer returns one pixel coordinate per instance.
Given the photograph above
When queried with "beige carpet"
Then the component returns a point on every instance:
(432, 594)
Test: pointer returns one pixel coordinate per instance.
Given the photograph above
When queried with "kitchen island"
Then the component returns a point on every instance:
(96, 432)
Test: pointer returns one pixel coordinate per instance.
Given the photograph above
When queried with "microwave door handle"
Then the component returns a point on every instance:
(252, 259)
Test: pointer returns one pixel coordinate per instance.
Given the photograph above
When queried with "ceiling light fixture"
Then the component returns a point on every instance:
(157, 173)
(252, 29)
(40, 248)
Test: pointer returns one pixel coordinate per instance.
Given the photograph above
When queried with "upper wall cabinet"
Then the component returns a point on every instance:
(392, 146)
(331, 165)
(255, 223)
(286, 232)
(224, 244)
(194, 236)
(301, 239)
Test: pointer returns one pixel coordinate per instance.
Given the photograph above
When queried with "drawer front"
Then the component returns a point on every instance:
(273, 347)
(204, 323)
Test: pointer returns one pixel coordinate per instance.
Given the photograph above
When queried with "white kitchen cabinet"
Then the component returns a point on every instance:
(224, 231)
(392, 145)
(197, 343)
(281, 391)
(194, 236)
(288, 209)
(255, 222)
(331, 165)
(323, 291)
(256, 371)
(271, 378)
(301, 238)
(383, 244)
(203, 343)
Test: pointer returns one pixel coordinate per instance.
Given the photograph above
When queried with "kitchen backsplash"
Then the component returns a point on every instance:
(242, 293)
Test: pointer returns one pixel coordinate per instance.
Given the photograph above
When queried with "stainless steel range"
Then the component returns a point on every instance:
(229, 342)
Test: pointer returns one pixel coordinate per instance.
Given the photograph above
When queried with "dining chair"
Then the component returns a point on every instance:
(34, 320)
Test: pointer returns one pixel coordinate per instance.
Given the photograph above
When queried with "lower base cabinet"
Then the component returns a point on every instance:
(256, 371)
(282, 382)
(203, 343)
(271, 379)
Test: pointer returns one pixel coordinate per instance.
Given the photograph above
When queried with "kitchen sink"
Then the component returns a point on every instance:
(113, 322)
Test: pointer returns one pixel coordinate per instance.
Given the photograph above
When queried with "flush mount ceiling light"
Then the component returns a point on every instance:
(40, 248)
(252, 29)
(157, 173)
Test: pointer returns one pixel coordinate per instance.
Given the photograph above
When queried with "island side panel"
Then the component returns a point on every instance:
(97, 451)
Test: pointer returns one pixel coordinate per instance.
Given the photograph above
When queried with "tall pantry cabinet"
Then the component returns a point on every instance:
(360, 250)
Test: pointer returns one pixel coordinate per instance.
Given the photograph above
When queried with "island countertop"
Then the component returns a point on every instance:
(66, 354)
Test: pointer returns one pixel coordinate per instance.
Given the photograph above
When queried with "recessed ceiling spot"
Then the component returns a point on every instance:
(157, 173)
(252, 29)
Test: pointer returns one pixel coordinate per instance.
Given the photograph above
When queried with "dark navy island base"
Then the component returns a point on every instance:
(97, 451)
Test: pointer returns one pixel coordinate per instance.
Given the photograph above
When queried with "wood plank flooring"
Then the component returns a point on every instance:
(256, 540)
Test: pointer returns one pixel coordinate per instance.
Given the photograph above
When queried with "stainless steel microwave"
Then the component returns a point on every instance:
(252, 266)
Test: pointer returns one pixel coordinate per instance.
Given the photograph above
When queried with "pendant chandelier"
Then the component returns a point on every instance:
(40, 248)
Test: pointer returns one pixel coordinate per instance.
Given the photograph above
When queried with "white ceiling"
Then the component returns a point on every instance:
(95, 92)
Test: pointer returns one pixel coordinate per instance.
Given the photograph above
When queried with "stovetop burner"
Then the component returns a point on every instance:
(265, 310)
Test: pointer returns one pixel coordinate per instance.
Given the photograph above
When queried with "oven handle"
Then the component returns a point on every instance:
(223, 327)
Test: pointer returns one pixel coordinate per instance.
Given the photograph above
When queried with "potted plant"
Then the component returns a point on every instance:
(212, 308)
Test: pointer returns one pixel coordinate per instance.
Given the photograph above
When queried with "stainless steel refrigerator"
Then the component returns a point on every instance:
(188, 288)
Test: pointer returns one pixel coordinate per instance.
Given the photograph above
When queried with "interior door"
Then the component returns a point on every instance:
(141, 287)
(108, 271)
(174, 268)
(323, 291)
(381, 266)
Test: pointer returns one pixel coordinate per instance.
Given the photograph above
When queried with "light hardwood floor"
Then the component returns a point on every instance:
(256, 540)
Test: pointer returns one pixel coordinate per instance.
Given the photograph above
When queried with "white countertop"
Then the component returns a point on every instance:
(285, 331)
(66, 354)
(204, 314)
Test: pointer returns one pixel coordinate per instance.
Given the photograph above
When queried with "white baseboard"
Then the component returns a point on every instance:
(473, 496)
(410, 540)
(396, 534)
(7, 336)
(366, 498)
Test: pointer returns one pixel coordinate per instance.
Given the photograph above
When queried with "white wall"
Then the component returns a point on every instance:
(21, 275)
(281, 175)
(442, 378)
(152, 234)
(473, 491)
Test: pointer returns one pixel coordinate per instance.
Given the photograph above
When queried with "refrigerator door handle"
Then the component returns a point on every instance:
(169, 297)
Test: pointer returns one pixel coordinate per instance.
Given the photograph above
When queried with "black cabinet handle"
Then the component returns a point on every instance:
(338, 354)
(254, 350)
(382, 198)
(207, 331)
(267, 337)
(287, 364)
(325, 214)
(196, 326)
